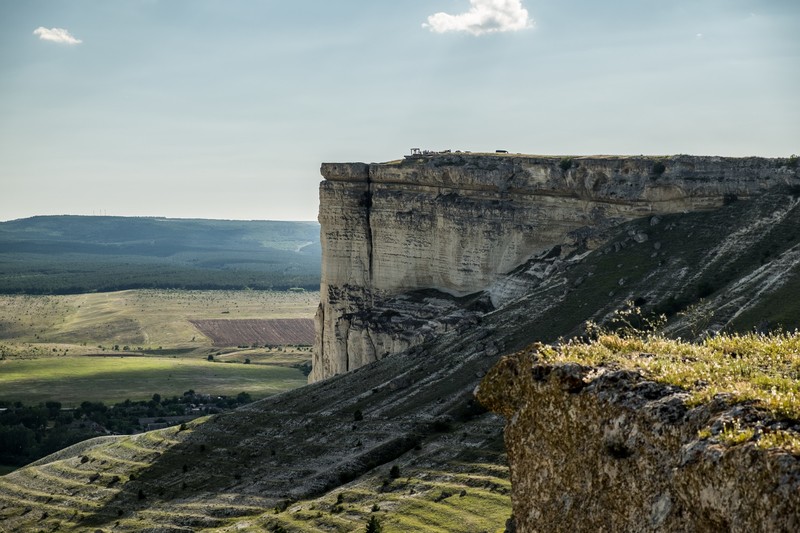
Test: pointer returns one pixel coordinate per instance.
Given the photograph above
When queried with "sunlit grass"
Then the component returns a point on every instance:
(762, 369)
(422, 501)
(72, 380)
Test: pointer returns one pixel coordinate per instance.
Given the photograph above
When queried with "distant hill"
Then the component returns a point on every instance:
(74, 254)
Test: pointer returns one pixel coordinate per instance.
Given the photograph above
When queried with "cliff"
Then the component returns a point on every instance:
(457, 224)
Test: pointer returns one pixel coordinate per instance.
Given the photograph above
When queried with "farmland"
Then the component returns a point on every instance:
(96, 353)
(277, 331)
(72, 348)
(146, 320)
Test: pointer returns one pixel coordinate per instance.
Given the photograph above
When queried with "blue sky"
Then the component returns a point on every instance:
(225, 109)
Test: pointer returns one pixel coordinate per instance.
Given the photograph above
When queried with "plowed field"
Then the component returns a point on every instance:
(275, 332)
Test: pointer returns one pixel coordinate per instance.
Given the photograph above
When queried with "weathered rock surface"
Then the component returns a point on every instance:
(458, 223)
(593, 449)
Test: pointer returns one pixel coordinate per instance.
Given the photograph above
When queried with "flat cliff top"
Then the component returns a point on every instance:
(598, 176)
(565, 162)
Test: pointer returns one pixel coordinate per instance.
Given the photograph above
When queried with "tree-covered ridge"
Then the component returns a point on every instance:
(73, 254)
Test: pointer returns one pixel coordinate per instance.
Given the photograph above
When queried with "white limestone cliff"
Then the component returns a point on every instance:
(457, 224)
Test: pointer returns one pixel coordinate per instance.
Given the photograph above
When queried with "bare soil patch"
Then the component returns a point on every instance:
(276, 332)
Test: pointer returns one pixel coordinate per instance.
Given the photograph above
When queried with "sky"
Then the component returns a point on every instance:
(226, 108)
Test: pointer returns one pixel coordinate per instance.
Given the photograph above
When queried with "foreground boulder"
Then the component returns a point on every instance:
(599, 449)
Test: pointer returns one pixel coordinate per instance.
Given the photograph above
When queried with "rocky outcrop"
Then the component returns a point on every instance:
(594, 449)
(459, 223)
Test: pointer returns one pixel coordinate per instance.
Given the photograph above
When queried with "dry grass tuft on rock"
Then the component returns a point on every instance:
(759, 369)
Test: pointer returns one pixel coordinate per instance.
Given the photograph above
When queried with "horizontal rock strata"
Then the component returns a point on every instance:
(457, 223)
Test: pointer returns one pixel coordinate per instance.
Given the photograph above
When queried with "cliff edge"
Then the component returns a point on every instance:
(406, 243)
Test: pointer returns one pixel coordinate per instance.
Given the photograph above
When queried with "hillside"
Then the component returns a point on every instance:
(321, 457)
(76, 254)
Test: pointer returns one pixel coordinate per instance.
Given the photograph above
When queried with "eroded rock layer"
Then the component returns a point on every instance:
(597, 449)
(459, 223)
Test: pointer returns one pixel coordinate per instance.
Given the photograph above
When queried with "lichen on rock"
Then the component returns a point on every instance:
(594, 448)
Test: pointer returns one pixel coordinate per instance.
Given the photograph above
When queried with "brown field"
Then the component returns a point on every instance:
(273, 332)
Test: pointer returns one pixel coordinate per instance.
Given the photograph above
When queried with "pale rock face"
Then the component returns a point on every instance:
(458, 223)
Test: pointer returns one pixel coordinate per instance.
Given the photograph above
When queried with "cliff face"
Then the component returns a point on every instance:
(459, 223)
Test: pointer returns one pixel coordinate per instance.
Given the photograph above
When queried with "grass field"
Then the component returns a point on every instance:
(147, 319)
(72, 380)
(45, 343)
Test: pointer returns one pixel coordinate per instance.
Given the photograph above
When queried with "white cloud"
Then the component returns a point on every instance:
(484, 16)
(57, 35)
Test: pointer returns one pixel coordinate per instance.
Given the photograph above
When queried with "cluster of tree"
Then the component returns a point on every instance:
(68, 255)
(28, 433)
(55, 275)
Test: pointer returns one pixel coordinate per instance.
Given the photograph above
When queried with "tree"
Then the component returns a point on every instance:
(53, 408)
(243, 398)
(15, 444)
(374, 525)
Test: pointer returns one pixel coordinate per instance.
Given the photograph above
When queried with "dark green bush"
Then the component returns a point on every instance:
(374, 525)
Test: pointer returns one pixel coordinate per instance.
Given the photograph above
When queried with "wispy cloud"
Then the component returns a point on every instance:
(484, 16)
(56, 35)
